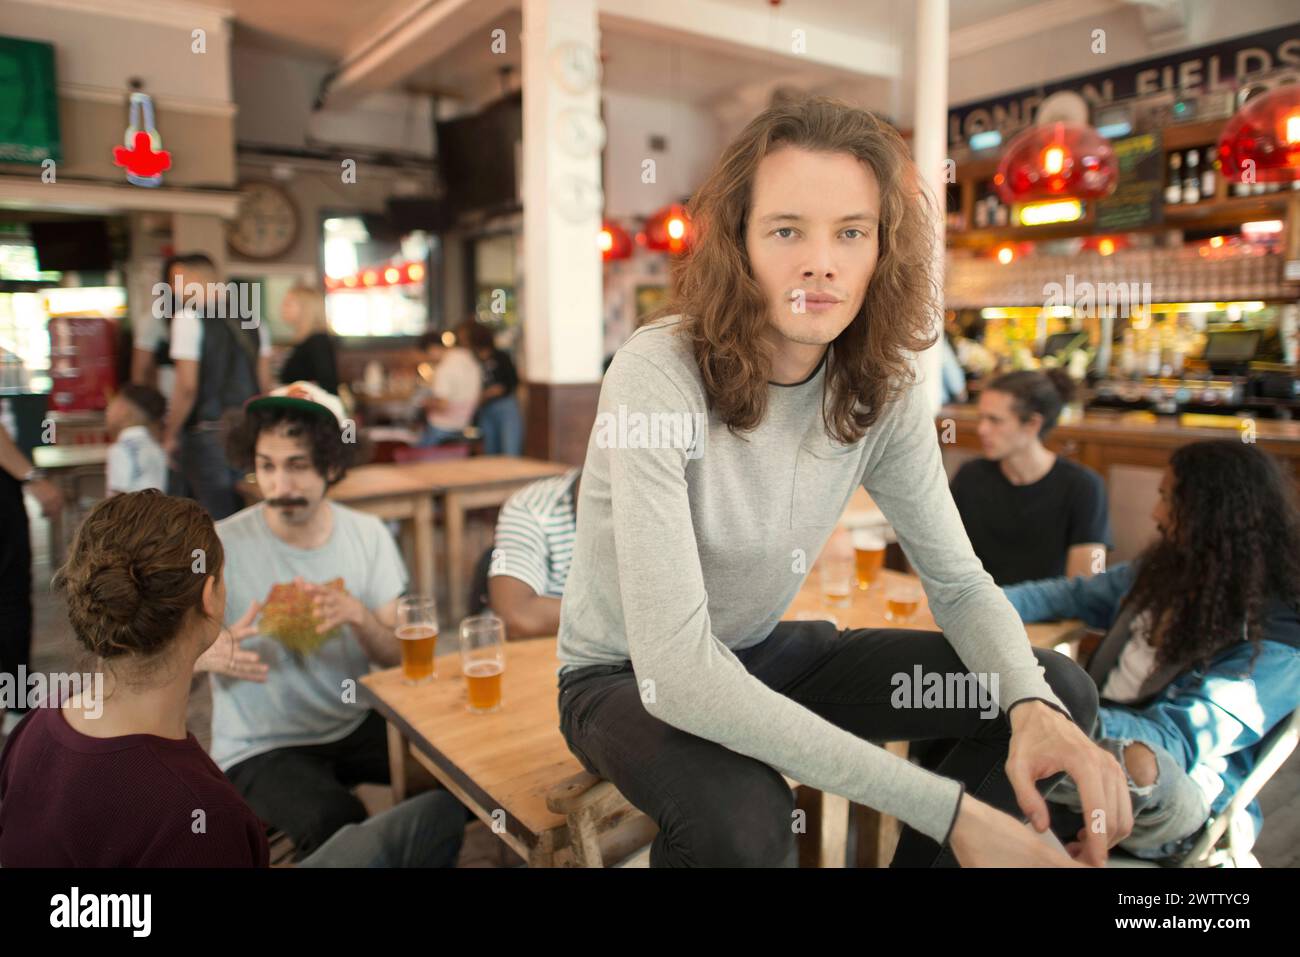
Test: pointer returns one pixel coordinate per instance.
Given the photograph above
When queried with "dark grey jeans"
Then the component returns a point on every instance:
(718, 808)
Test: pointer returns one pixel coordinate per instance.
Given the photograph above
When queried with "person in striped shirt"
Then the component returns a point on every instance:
(531, 555)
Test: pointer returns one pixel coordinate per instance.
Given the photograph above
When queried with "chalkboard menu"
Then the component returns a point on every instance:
(29, 103)
(1138, 200)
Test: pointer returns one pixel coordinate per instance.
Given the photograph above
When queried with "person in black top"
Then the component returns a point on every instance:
(498, 416)
(314, 357)
(1030, 513)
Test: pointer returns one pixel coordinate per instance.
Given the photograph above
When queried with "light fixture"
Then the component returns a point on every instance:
(614, 242)
(1051, 211)
(1057, 160)
(1262, 140)
(414, 272)
(1262, 227)
(1106, 246)
(1006, 254)
(669, 229)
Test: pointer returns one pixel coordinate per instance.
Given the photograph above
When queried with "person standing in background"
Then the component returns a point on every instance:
(219, 366)
(315, 356)
(450, 402)
(498, 415)
(151, 361)
(17, 474)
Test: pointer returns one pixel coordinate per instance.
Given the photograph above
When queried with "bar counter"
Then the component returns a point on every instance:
(1100, 439)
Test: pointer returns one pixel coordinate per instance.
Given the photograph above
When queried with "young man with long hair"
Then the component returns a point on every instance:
(729, 438)
(1201, 658)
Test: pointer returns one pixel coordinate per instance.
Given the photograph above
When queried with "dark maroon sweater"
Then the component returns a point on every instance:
(68, 800)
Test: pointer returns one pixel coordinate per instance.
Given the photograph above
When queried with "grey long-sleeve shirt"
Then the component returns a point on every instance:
(695, 548)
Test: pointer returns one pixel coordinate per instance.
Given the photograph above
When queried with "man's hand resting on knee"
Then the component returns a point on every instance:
(1043, 742)
(983, 836)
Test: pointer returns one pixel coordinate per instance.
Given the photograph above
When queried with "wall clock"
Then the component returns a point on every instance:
(266, 225)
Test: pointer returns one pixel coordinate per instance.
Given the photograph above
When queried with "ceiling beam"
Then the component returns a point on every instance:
(753, 34)
(412, 38)
(1023, 23)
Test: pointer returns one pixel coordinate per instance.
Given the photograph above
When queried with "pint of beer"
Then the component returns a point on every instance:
(483, 661)
(417, 633)
(902, 599)
(869, 555)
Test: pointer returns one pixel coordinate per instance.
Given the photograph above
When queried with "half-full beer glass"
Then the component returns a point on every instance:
(483, 660)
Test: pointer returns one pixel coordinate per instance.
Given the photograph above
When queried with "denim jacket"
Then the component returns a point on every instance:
(1212, 720)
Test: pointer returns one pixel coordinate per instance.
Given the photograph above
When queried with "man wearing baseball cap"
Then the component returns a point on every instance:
(287, 726)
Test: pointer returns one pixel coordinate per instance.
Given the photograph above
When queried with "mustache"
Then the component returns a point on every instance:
(286, 502)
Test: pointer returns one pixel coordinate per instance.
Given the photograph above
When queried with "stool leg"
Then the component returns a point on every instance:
(584, 839)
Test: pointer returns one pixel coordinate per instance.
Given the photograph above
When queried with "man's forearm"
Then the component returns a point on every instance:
(378, 641)
(182, 403)
(12, 459)
(536, 617)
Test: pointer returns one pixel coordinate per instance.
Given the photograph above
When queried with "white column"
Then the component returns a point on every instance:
(561, 192)
(930, 150)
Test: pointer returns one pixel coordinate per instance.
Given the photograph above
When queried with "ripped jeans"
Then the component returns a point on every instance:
(1167, 815)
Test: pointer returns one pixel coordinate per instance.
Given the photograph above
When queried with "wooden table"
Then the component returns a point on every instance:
(481, 481)
(388, 492)
(407, 492)
(67, 466)
(501, 765)
(867, 610)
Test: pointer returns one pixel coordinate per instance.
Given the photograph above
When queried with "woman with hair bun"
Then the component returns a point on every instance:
(114, 778)
(1029, 512)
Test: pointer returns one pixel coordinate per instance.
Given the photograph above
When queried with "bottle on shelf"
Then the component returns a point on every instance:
(1207, 175)
(1174, 184)
(1192, 178)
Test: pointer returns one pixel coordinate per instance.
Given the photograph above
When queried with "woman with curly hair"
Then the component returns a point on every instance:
(1201, 659)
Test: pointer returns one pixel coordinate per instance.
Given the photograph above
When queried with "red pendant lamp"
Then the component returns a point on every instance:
(615, 243)
(669, 229)
(1264, 137)
(1055, 160)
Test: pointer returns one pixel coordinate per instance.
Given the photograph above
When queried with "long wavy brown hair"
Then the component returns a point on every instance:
(724, 310)
(1234, 545)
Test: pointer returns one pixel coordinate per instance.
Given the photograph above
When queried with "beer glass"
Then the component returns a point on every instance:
(869, 555)
(902, 599)
(482, 660)
(417, 633)
(837, 580)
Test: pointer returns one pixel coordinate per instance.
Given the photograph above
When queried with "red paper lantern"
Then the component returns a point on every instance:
(614, 242)
(1263, 138)
(669, 229)
(1056, 160)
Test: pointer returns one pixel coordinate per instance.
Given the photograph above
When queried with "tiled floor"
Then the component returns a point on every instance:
(54, 650)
